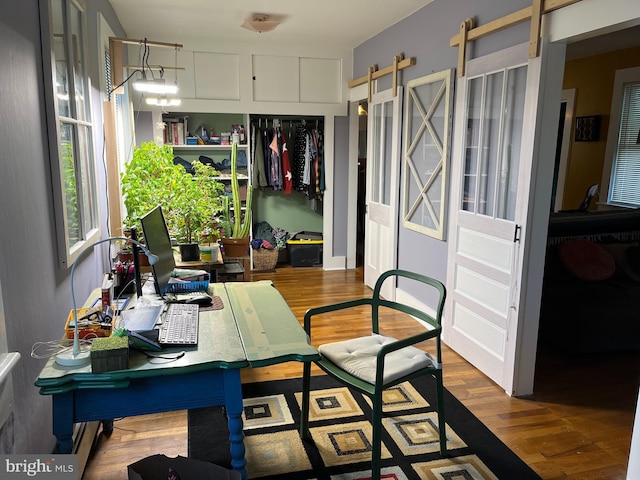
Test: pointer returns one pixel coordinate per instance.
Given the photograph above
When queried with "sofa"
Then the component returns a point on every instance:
(591, 285)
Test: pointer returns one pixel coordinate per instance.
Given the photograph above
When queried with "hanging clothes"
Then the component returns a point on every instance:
(286, 167)
(275, 170)
(289, 158)
(259, 178)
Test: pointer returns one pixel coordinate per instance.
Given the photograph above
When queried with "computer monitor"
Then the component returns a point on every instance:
(156, 237)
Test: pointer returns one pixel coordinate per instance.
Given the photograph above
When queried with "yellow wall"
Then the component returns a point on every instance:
(592, 77)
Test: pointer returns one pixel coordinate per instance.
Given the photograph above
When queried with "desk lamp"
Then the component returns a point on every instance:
(77, 358)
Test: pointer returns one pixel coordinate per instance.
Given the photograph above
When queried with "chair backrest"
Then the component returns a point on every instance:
(377, 301)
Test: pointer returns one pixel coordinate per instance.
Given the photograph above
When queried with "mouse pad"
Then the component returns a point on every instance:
(216, 304)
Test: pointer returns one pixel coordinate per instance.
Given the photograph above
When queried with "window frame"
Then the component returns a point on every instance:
(425, 206)
(622, 78)
(79, 121)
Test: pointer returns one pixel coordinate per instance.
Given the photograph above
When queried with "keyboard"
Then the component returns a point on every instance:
(180, 325)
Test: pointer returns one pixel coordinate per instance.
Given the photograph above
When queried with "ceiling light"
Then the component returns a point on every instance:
(260, 22)
(163, 101)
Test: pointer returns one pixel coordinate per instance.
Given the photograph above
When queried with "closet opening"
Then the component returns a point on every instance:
(288, 173)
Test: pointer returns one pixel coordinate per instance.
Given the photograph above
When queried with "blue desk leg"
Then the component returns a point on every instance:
(63, 421)
(233, 403)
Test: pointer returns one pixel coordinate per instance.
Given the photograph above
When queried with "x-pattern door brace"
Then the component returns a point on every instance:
(426, 124)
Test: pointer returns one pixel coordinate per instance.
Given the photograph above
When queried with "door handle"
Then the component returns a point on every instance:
(516, 234)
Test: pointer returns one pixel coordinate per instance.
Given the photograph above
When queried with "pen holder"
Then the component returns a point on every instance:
(124, 279)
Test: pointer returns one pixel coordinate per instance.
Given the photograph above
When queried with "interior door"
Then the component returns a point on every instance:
(491, 182)
(383, 161)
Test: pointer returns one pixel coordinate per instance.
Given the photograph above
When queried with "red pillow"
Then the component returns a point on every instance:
(586, 260)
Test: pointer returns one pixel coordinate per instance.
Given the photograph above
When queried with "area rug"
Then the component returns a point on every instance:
(341, 433)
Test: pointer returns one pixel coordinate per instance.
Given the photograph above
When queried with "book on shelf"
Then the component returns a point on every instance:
(176, 130)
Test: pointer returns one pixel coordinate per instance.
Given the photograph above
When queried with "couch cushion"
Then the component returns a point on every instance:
(633, 259)
(623, 257)
(586, 260)
(358, 357)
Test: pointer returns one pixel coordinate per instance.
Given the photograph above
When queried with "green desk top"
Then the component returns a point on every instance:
(255, 328)
(269, 330)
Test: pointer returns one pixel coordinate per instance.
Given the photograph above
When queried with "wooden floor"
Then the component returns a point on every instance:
(577, 424)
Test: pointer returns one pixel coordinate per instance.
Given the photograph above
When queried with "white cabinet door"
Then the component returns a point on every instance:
(276, 78)
(296, 79)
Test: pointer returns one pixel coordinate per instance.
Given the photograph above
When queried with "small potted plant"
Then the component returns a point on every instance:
(235, 224)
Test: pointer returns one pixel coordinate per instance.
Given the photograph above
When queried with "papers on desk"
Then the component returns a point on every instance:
(182, 275)
(141, 319)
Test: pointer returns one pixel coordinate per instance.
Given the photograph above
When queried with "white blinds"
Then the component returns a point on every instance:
(625, 175)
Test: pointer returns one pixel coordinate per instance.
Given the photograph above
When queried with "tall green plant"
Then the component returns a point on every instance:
(196, 201)
(148, 180)
(237, 224)
(190, 203)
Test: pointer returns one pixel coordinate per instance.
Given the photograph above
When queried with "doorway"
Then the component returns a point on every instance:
(563, 146)
(362, 181)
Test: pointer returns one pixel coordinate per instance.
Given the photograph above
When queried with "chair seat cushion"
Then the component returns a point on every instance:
(358, 357)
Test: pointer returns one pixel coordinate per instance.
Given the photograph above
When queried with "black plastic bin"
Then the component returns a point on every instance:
(305, 249)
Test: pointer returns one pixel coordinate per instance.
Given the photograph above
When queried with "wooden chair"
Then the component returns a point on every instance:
(374, 363)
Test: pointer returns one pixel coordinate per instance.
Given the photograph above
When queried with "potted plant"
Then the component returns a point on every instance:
(145, 183)
(196, 200)
(235, 224)
(189, 202)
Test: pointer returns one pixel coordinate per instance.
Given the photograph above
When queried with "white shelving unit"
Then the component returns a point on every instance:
(215, 123)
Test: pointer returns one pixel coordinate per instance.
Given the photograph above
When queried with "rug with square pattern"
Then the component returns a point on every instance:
(340, 426)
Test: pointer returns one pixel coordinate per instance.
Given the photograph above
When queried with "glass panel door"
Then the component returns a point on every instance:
(494, 135)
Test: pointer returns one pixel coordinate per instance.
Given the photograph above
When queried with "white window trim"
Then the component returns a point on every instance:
(67, 252)
(623, 76)
(414, 161)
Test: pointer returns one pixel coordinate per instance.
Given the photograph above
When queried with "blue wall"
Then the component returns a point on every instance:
(35, 290)
(425, 35)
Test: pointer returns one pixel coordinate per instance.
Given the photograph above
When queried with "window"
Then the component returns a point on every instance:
(495, 114)
(427, 138)
(622, 164)
(69, 126)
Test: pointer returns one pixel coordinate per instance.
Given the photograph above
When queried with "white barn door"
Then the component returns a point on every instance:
(383, 165)
(492, 181)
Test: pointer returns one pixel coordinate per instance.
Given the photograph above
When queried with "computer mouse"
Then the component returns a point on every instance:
(203, 300)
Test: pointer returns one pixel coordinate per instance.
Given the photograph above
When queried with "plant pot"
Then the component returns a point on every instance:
(235, 247)
(125, 256)
(144, 259)
(190, 252)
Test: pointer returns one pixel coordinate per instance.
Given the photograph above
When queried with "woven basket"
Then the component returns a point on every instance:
(265, 259)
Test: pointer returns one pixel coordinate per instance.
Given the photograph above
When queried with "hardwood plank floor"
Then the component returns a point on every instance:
(577, 424)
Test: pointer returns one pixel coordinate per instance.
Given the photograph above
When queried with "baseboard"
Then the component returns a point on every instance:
(84, 436)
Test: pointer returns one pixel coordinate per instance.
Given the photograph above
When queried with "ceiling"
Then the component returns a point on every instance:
(331, 23)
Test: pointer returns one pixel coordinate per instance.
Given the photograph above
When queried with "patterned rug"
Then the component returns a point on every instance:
(341, 434)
